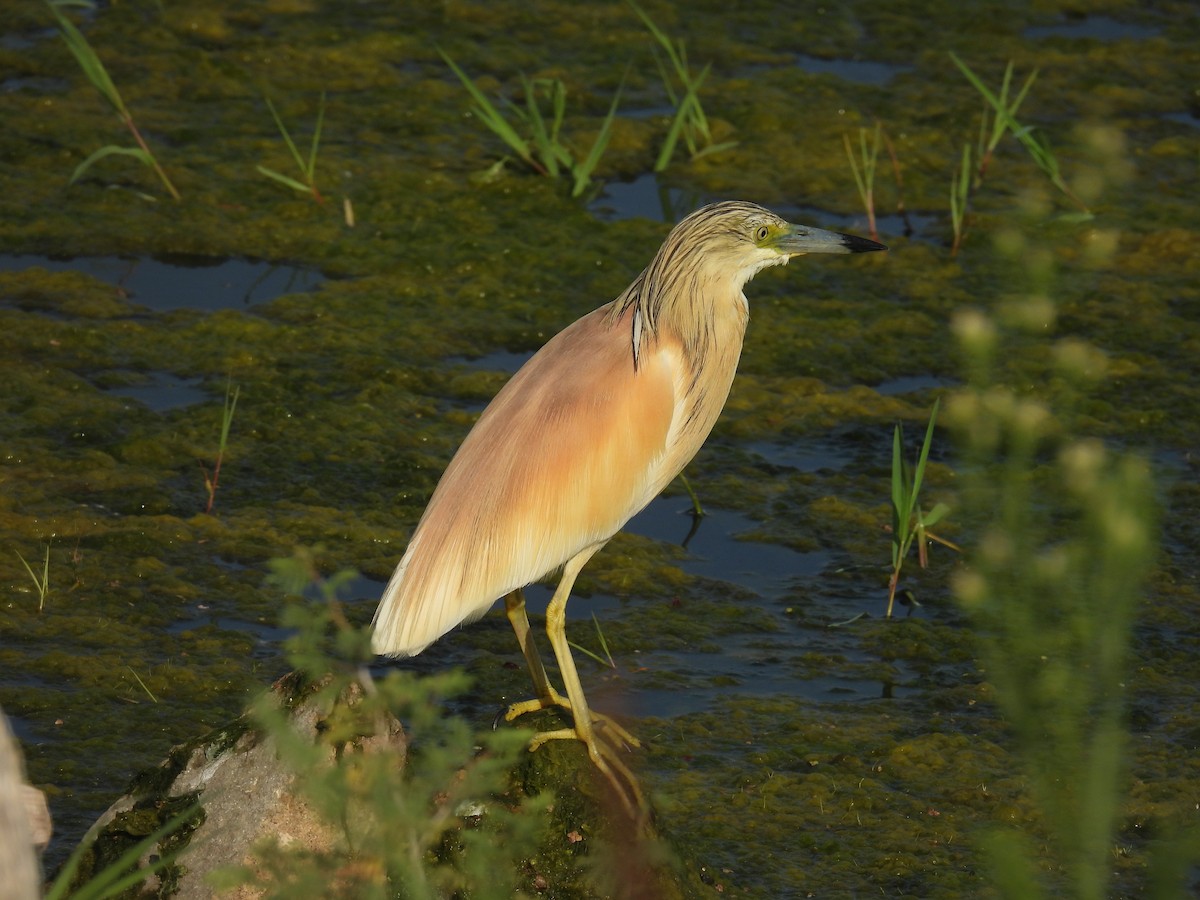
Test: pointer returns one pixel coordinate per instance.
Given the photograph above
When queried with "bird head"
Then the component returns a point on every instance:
(741, 239)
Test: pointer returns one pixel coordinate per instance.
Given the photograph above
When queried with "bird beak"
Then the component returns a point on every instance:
(801, 239)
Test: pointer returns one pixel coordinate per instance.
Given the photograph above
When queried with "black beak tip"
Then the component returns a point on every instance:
(856, 244)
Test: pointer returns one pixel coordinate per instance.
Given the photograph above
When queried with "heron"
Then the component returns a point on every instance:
(589, 430)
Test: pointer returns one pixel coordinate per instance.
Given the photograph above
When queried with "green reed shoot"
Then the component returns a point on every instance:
(40, 584)
(544, 151)
(307, 166)
(864, 179)
(138, 677)
(607, 659)
(909, 522)
(960, 190)
(689, 121)
(1005, 113)
(991, 132)
(94, 69)
(211, 480)
(697, 509)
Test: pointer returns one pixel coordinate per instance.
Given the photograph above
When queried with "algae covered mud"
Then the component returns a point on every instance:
(365, 330)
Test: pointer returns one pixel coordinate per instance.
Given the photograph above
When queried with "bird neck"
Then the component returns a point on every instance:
(706, 314)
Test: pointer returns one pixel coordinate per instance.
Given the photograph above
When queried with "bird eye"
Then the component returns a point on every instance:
(762, 232)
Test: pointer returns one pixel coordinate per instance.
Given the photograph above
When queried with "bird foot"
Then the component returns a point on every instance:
(606, 760)
(606, 723)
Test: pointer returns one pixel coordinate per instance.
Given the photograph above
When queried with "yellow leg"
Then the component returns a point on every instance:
(604, 757)
(514, 607)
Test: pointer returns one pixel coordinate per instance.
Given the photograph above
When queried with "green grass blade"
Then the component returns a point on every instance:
(285, 179)
(698, 117)
(149, 693)
(900, 514)
(919, 474)
(935, 515)
(114, 879)
(110, 150)
(28, 568)
(492, 117)
(663, 41)
(311, 169)
(92, 67)
(227, 417)
(287, 137)
(583, 172)
(668, 148)
(666, 80)
(603, 641)
(537, 125)
(714, 148)
(558, 94)
(586, 652)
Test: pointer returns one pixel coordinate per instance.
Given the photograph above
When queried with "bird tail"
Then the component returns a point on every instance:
(422, 601)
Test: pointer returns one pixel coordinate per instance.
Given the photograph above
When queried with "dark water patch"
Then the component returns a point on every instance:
(161, 391)
(823, 454)
(496, 361)
(913, 384)
(163, 284)
(859, 71)
(649, 112)
(645, 197)
(719, 548)
(1093, 28)
(1190, 119)
(33, 83)
(197, 627)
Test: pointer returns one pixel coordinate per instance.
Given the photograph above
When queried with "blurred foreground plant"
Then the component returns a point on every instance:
(1068, 538)
(424, 820)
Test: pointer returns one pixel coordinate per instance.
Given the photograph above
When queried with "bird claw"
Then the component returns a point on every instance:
(606, 759)
(621, 735)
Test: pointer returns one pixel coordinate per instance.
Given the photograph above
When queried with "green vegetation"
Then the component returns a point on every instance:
(211, 479)
(127, 872)
(697, 509)
(1005, 112)
(41, 583)
(1004, 117)
(94, 69)
(607, 658)
(960, 194)
(864, 178)
(909, 522)
(428, 821)
(683, 88)
(142, 684)
(307, 166)
(544, 151)
(1068, 536)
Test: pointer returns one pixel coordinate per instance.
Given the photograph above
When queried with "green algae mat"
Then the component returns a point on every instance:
(366, 321)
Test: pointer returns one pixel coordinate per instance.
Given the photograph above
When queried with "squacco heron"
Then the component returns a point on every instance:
(587, 433)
